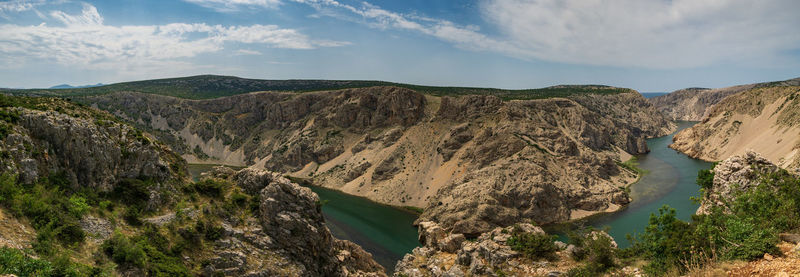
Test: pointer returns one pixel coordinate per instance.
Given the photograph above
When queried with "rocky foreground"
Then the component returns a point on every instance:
(490, 254)
(473, 162)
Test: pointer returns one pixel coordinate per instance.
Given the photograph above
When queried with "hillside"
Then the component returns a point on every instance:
(472, 162)
(84, 194)
(692, 104)
(765, 118)
(213, 86)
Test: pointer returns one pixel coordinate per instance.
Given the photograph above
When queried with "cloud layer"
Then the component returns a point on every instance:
(658, 34)
(85, 41)
(626, 33)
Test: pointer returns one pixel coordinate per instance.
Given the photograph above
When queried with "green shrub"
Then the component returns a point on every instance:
(533, 245)
(745, 229)
(596, 250)
(239, 199)
(209, 230)
(141, 252)
(124, 252)
(14, 261)
(705, 178)
(211, 187)
(134, 192)
(78, 206)
(133, 216)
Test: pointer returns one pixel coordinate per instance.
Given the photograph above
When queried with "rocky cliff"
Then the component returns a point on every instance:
(692, 104)
(287, 237)
(494, 253)
(473, 162)
(86, 148)
(733, 175)
(765, 119)
(78, 183)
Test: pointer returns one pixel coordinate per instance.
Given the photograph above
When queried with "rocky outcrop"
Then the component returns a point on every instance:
(473, 162)
(448, 254)
(86, 148)
(732, 176)
(288, 237)
(765, 119)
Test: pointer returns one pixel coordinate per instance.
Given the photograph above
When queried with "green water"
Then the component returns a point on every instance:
(669, 180)
(384, 231)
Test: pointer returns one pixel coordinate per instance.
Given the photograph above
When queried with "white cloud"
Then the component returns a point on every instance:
(235, 5)
(86, 42)
(245, 52)
(89, 16)
(637, 33)
(17, 6)
(657, 34)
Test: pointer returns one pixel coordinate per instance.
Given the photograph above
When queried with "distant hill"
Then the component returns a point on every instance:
(693, 104)
(214, 86)
(66, 86)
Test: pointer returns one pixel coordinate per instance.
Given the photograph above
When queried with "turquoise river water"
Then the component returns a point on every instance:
(388, 234)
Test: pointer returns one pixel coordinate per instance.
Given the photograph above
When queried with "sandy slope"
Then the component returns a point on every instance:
(764, 119)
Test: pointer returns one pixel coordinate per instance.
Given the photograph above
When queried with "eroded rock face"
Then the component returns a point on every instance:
(693, 104)
(86, 153)
(84, 148)
(763, 118)
(448, 254)
(473, 162)
(733, 175)
(289, 237)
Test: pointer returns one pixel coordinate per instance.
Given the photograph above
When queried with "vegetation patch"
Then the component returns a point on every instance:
(746, 232)
(534, 246)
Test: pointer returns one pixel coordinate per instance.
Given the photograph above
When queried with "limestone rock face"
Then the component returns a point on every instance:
(735, 174)
(86, 148)
(92, 155)
(289, 237)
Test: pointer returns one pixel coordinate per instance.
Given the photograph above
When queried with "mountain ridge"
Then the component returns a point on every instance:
(214, 86)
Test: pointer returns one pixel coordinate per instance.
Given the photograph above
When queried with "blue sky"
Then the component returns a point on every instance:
(656, 45)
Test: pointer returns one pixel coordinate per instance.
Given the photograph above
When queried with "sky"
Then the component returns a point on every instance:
(648, 45)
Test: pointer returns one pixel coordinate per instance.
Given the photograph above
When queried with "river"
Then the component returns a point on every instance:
(387, 233)
(669, 179)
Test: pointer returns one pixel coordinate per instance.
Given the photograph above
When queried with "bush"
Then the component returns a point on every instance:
(14, 261)
(596, 249)
(533, 245)
(78, 206)
(745, 229)
(211, 187)
(705, 178)
(140, 252)
(210, 230)
(124, 252)
(133, 192)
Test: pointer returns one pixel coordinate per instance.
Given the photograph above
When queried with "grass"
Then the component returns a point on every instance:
(632, 165)
(212, 86)
(417, 210)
